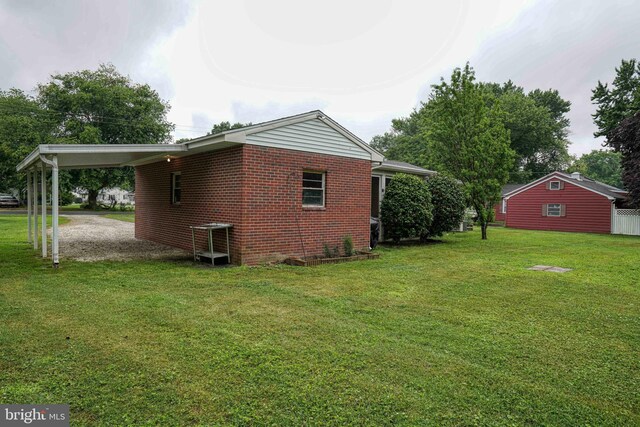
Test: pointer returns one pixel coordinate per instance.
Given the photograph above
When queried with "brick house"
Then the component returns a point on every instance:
(563, 202)
(282, 188)
(288, 187)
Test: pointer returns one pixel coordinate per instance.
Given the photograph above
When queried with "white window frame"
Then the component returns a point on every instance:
(504, 206)
(551, 183)
(173, 188)
(323, 188)
(559, 209)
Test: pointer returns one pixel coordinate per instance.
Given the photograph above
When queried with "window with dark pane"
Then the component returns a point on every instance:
(176, 188)
(313, 188)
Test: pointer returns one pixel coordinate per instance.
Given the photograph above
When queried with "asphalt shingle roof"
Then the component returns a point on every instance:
(600, 187)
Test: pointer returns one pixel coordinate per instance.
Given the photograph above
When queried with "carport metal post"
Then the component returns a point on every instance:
(35, 208)
(54, 206)
(29, 239)
(54, 212)
(43, 194)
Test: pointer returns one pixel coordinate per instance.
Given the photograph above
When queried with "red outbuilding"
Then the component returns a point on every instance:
(562, 202)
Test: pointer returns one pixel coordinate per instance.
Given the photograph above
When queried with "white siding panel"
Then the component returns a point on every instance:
(313, 136)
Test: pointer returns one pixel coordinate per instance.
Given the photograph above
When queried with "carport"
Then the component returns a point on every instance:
(49, 159)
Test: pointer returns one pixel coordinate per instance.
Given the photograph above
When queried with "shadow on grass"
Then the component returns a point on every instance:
(412, 242)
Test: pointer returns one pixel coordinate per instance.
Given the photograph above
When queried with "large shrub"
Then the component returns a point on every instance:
(406, 209)
(449, 205)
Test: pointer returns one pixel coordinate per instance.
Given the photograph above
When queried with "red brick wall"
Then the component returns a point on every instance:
(211, 192)
(586, 211)
(259, 191)
(274, 203)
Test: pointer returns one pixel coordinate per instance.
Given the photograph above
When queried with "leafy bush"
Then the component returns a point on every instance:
(406, 209)
(449, 205)
(327, 251)
(347, 245)
(65, 198)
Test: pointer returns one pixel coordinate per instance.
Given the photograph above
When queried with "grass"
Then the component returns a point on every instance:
(127, 217)
(457, 333)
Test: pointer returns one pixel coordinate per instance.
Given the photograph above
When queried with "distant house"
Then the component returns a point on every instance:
(565, 202)
(108, 196)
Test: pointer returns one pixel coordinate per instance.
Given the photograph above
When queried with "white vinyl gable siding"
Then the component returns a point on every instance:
(312, 135)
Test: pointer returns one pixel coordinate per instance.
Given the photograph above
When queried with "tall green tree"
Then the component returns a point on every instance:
(537, 124)
(23, 126)
(601, 165)
(625, 139)
(469, 140)
(537, 127)
(617, 117)
(406, 140)
(104, 107)
(621, 100)
(225, 126)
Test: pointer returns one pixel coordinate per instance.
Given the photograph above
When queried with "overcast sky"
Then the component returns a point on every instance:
(361, 62)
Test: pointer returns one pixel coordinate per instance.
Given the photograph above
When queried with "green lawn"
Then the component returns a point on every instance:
(128, 217)
(457, 333)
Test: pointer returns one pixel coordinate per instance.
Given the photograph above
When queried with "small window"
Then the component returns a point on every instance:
(176, 188)
(554, 209)
(313, 189)
(555, 185)
(504, 206)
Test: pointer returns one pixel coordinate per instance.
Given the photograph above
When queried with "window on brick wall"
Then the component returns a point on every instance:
(313, 186)
(176, 188)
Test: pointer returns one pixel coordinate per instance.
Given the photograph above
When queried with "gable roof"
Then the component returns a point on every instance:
(79, 156)
(239, 135)
(606, 190)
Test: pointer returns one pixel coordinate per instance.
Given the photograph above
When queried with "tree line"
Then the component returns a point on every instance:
(489, 134)
(84, 107)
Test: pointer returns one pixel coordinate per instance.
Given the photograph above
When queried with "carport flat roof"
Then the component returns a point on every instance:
(81, 156)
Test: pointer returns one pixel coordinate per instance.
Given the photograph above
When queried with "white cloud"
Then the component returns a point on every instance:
(362, 62)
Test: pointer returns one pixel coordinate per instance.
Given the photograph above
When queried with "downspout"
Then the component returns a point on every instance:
(54, 207)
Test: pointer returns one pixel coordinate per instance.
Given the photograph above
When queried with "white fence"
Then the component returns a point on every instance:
(626, 221)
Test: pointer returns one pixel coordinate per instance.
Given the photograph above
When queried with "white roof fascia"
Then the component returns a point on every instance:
(408, 169)
(204, 141)
(549, 177)
(35, 154)
(54, 149)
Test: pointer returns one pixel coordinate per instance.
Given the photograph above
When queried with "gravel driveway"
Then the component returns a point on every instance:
(95, 238)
